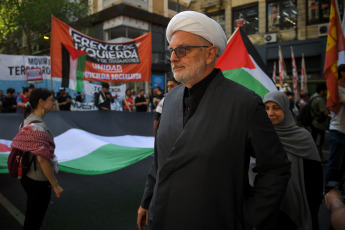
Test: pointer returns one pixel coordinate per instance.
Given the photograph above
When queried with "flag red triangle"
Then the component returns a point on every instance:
(75, 53)
(235, 55)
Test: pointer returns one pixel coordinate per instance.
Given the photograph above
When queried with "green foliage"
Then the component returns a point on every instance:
(31, 19)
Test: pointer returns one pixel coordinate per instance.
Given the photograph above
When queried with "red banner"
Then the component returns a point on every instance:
(335, 46)
(107, 62)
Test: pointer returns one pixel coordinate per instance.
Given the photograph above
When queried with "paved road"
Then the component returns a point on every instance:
(107, 201)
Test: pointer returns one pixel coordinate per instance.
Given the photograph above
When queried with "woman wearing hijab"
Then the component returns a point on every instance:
(301, 202)
(35, 138)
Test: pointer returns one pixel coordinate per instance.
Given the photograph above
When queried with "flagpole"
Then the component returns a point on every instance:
(233, 34)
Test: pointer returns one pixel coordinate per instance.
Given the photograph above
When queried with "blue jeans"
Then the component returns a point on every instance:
(336, 164)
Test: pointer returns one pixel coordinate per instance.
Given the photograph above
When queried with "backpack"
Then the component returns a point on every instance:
(305, 117)
(18, 161)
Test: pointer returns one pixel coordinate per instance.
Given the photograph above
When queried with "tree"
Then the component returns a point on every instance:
(31, 20)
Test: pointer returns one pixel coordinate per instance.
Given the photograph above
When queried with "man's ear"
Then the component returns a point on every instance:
(212, 54)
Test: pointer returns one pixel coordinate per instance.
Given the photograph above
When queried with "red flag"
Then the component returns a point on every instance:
(282, 72)
(335, 45)
(294, 75)
(274, 75)
(304, 88)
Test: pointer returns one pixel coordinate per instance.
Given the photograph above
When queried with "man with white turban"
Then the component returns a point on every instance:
(209, 129)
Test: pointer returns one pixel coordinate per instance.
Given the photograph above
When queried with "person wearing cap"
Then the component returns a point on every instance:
(209, 128)
(64, 100)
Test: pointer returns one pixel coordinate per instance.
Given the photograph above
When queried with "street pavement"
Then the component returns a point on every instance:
(108, 201)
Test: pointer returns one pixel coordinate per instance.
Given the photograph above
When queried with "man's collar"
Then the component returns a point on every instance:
(204, 81)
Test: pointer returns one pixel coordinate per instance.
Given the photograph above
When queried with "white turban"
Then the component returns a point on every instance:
(199, 24)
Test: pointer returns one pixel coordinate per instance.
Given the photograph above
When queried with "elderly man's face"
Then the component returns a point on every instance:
(189, 69)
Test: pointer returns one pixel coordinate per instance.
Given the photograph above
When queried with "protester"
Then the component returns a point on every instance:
(335, 203)
(9, 105)
(320, 117)
(103, 98)
(134, 96)
(22, 99)
(304, 100)
(152, 98)
(64, 99)
(140, 102)
(336, 165)
(2, 98)
(209, 128)
(56, 103)
(159, 96)
(80, 97)
(302, 200)
(127, 101)
(172, 83)
(34, 137)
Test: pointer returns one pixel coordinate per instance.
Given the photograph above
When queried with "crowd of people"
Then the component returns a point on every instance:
(223, 158)
(132, 101)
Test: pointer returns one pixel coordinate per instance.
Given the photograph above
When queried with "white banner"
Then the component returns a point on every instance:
(116, 91)
(77, 106)
(12, 67)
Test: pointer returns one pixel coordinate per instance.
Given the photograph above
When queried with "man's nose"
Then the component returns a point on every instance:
(173, 57)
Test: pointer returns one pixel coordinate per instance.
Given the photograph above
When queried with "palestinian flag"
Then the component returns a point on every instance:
(241, 62)
(95, 143)
(73, 66)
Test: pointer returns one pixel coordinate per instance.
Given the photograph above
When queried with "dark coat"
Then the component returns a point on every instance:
(199, 177)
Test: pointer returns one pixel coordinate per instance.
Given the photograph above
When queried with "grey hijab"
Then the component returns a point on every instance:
(296, 140)
(298, 144)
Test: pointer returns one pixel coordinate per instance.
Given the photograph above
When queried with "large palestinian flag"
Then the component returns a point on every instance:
(89, 143)
(242, 63)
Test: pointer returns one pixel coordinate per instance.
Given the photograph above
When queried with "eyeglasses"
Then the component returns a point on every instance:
(181, 51)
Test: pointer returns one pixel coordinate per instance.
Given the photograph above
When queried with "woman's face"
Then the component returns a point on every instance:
(274, 112)
(49, 104)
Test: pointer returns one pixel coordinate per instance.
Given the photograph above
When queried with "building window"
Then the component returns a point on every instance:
(178, 7)
(246, 17)
(124, 31)
(281, 15)
(318, 11)
(219, 17)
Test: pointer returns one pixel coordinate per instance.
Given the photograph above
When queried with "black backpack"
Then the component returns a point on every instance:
(18, 161)
(306, 116)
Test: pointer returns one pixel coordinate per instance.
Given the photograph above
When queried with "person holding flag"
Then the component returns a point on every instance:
(334, 75)
(209, 129)
(103, 98)
(336, 164)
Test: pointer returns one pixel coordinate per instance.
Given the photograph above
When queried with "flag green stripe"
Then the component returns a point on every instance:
(3, 163)
(80, 72)
(107, 158)
(242, 77)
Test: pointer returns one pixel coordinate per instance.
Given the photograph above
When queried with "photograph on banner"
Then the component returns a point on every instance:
(76, 57)
(34, 75)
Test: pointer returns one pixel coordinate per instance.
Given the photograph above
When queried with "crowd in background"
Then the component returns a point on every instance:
(133, 101)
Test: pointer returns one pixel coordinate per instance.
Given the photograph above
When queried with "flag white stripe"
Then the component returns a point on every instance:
(261, 76)
(76, 143)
